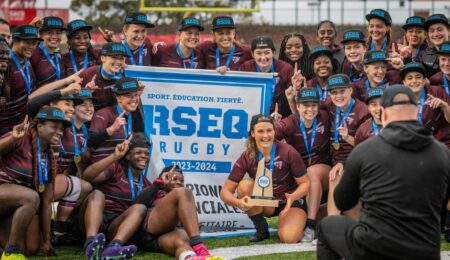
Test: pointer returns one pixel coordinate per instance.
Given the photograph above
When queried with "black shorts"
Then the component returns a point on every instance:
(108, 217)
(146, 241)
(300, 203)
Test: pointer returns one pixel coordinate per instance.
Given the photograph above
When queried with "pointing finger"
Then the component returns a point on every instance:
(25, 120)
(122, 114)
(276, 108)
(295, 67)
(129, 138)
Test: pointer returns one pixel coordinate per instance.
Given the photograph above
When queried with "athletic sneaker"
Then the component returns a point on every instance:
(314, 242)
(196, 257)
(13, 257)
(117, 252)
(93, 249)
(309, 235)
(200, 250)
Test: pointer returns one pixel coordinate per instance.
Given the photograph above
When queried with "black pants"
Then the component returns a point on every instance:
(334, 237)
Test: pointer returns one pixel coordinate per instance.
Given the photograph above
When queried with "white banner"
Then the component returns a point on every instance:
(200, 120)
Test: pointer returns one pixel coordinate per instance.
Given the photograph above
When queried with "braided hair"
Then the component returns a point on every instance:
(5, 88)
(303, 63)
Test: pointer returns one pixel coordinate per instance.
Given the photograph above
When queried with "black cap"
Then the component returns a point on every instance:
(353, 36)
(139, 140)
(114, 48)
(26, 31)
(373, 93)
(190, 22)
(374, 56)
(307, 95)
(380, 14)
(85, 94)
(52, 22)
(445, 48)
(125, 85)
(223, 22)
(138, 18)
(262, 43)
(320, 50)
(413, 66)
(52, 114)
(77, 25)
(416, 21)
(387, 100)
(436, 18)
(76, 100)
(338, 81)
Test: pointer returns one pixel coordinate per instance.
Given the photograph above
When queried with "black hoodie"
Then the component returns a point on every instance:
(401, 178)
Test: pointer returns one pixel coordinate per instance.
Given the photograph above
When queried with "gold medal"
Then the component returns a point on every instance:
(336, 146)
(41, 188)
(77, 159)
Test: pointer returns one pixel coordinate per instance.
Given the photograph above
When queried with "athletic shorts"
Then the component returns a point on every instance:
(146, 241)
(108, 217)
(300, 203)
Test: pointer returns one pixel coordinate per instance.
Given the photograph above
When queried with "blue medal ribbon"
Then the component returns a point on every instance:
(445, 84)
(422, 101)
(354, 77)
(126, 130)
(322, 94)
(272, 158)
(131, 181)
(42, 169)
(416, 54)
(191, 62)
(141, 54)
(54, 64)
(230, 57)
(77, 151)
(74, 61)
(338, 123)
(272, 70)
(25, 75)
(111, 76)
(368, 84)
(383, 48)
(309, 147)
(375, 127)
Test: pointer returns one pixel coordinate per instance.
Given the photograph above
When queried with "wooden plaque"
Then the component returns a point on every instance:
(262, 194)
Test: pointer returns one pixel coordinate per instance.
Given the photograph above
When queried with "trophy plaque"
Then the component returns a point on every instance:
(262, 194)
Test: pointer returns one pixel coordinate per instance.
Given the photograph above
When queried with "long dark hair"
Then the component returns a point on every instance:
(90, 49)
(303, 63)
(5, 88)
(388, 36)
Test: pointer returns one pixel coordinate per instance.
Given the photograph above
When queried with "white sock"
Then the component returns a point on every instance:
(186, 254)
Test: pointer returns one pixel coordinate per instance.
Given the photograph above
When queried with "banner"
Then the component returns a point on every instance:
(200, 120)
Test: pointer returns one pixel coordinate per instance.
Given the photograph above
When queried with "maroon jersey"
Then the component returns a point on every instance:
(288, 165)
(289, 129)
(67, 150)
(313, 83)
(16, 166)
(434, 119)
(93, 60)
(350, 70)
(104, 95)
(167, 56)
(356, 117)
(13, 112)
(365, 130)
(443, 134)
(117, 188)
(242, 53)
(102, 119)
(438, 80)
(147, 54)
(43, 69)
(416, 56)
(360, 87)
(285, 73)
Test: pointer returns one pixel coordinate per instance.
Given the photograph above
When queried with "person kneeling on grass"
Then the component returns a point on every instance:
(171, 204)
(119, 179)
(290, 183)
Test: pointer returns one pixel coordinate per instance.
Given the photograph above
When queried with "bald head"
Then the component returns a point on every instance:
(403, 110)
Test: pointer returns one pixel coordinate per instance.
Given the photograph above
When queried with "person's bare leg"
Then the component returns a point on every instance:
(33, 237)
(317, 174)
(291, 225)
(331, 205)
(174, 243)
(125, 226)
(92, 213)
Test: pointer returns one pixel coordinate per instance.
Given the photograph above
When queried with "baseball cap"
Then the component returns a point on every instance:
(76, 100)
(222, 22)
(317, 51)
(353, 35)
(387, 99)
(373, 93)
(125, 85)
(338, 81)
(413, 66)
(85, 94)
(262, 43)
(445, 48)
(138, 18)
(26, 31)
(416, 21)
(374, 56)
(52, 22)
(190, 22)
(307, 95)
(114, 48)
(52, 114)
(77, 25)
(436, 18)
(380, 14)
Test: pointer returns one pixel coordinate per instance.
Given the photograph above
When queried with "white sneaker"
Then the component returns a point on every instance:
(309, 235)
(314, 242)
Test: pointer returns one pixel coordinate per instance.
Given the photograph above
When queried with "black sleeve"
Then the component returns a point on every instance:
(35, 104)
(346, 194)
(147, 195)
(97, 137)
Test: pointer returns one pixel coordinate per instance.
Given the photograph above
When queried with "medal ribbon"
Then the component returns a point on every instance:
(191, 62)
(305, 136)
(340, 123)
(74, 61)
(141, 54)
(230, 57)
(55, 66)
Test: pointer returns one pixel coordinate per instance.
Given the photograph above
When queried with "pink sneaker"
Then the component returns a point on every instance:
(196, 257)
(200, 250)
